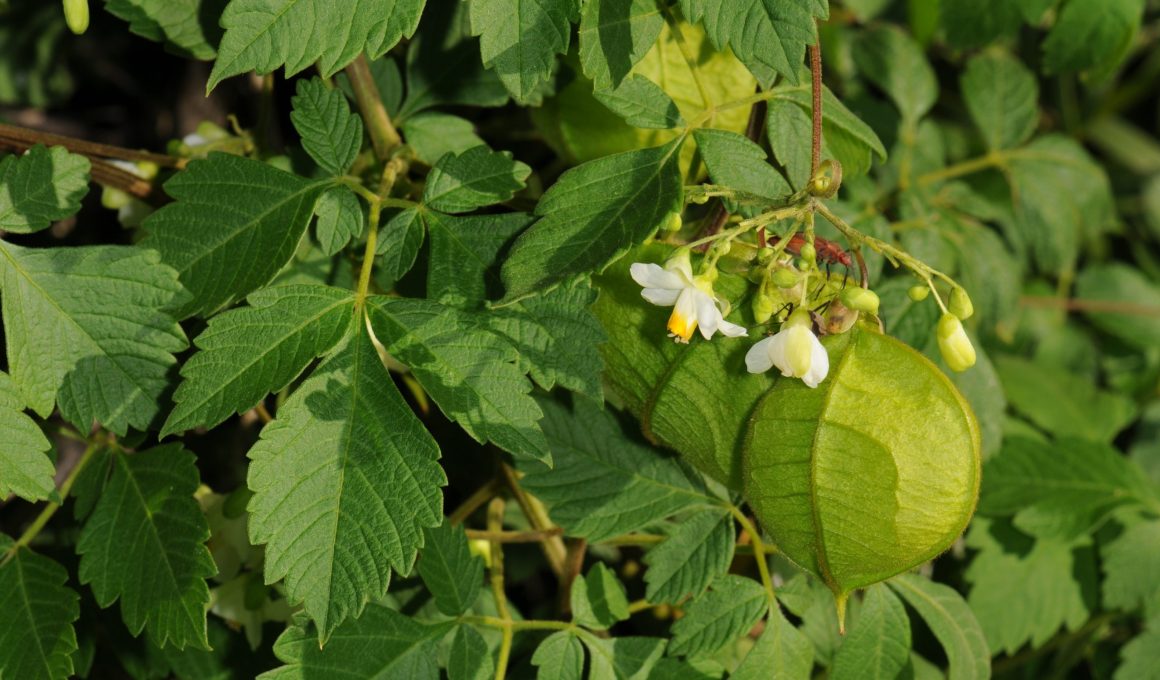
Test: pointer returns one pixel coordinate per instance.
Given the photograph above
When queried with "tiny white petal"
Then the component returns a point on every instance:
(731, 330)
(819, 365)
(683, 320)
(759, 359)
(708, 316)
(662, 297)
(652, 275)
(682, 267)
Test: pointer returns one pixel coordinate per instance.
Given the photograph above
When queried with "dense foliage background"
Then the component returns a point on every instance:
(298, 309)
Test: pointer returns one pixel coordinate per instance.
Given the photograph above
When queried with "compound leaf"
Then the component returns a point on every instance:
(738, 163)
(25, 469)
(144, 544)
(40, 187)
(951, 621)
(719, 617)
(623, 658)
(451, 572)
(100, 309)
(599, 599)
(1129, 563)
(234, 224)
(559, 657)
(340, 219)
(472, 373)
(697, 550)
(520, 39)
(473, 179)
(249, 352)
(461, 269)
(398, 246)
(614, 36)
(878, 644)
(37, 640)
(782, 652)
(641, 103)
(344, 480)
(592, 214)
(331, 133)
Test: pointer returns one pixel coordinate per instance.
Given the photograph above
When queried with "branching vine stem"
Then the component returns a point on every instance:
(759, 553)
(384, 136)
(495, 525)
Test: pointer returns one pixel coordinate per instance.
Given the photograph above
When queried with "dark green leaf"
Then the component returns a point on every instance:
(719, 617)
(330, 132)
(470, 372)
(781, 653)
(180, 22)
(234, 224)
(603, 483)
(844, 136)
(1141, 655)
(1091, 34)
(40, 187)
(641, 103)
(144, 544)
(469, 658)
(462, 269)
(1130, 563)
(473, 179)
(614, 36)
(698, 550)
(520, 39)
(261, 36)
(598, 599)
(431, 135)
(344, 481)
(25, 468)
(623, 658)
(398, 246)
(1124, 287)
(974, 23)
(892, 60)
(1002, 97)
(559, 657)
(450, 571)
(249, 352)
(735, 161)
(340, 219)
(37, 640)
(592, 214)
(1061, 490)
(951, 621)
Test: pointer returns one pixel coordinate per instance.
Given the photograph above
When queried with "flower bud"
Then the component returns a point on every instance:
(480, 548)
(147, 169)
(956, 348)
(763, 306)
(699, 199)
(721, 248)
(960, 303)
(114, 199)
(76, 15)
(918, 292)
(672, 222)
(860, 299)
(785, 278)
(764, 255)
(809, 253)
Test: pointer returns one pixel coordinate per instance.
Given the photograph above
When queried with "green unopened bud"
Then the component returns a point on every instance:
(763, 306)
(76, 15)
(918, 293)
(803, 264)
(785, 278)
(860, 299)
(672, 223)
(764, 255)
(699, 199)
(960, 303)
(953, 343)
(147, 169)
(114, 199)
(809, 253)
(721, 248)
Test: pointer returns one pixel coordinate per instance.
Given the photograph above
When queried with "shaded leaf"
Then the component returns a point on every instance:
(1002, 96)
(1142, 655)
(469, 657)
(450, 571)
(1091, 34)
(40, 187)
(975, 23)
(559, 657)
(473, 179)
(698, 550)
(432, 134)
(599, 599)
(25, 468)
(951, 621)
(737, 162)
(614, 36)
(180, 22)
(1130, 563)
(641, 103)
(844, 136)
(520, 39)
(340, 219)
(893, 61)
(1121, 287)
(462, 268)
(331, 133)
(398, 246)
(37, 640)
(623, 658)
(719, 617)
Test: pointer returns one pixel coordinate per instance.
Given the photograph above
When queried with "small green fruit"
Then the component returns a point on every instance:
(918, 292)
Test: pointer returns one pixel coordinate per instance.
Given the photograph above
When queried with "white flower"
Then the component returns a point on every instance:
(795, 350)
(694, 304)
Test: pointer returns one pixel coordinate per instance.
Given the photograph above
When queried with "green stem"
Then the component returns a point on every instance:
(384, 136)
(512, 625)
(993, 159)
(49, 510)
(495, 525)
(368, 260)
(759, 553)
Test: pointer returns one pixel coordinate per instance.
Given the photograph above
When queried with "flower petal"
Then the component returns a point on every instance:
(759, 359)
(708, 316)
(662, 297)
(731, 330)
(819, 365)
(652, 275)
(683, 320)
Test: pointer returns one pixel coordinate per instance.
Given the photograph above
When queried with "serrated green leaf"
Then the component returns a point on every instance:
(431, 135)
(894, 61)
(450, 571)
(781, 653)
(1063, 489)
(737, 162)
(844, 136)
(1117, 283)
(144, 544)
(340, 219)
(1061, 195)
(261, 35)
(768, 36)
(812, 601)
(1077, 408)
(469, 657)
(877, 646)
(1091, 34)
(25, 469)
(641, 103)
(381, 644)
(398, 246)
(698, 550)
(520, 39)
(623, 658)
(462, 268)
(344, 481)
(951, 621)
(470, 372)
(599, 599)
(727, 611)
(1130, 563)
(603, 483)
(559, 657)
(443, 64)
(1002, 96)
(191, 25)
(1052, 580)
(331, 133)
(557, 337)
(614, 36)
(40, 187)
(234, 224)
(974, 23)
(100, 309)
(37, 640)
(592, 214)
(249, 352)
(473, 179)
(1141, 656)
